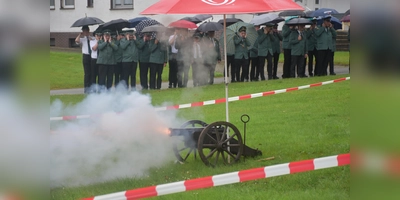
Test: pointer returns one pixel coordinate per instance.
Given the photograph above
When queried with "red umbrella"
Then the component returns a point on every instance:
(219, 6)
(182, 24)
(346, 18)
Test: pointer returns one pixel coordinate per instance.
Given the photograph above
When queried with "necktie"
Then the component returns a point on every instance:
(88, 43)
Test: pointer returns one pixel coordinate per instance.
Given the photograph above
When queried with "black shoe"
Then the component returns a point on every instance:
(170, 86)
(275, 77)
(270, 78)
(333, 73)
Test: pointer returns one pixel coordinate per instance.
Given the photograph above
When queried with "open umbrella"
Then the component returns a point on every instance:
(345, 18)
(145, 23)
(322, 12)
(347, 12)
(266, 18)
(337, 24)
(299, 21)
(133, 22)
(154, 28)
(226, 7)
(203, 17)
(287, 13)
(115, 25)
(192, 19)
(86, 21)
(183, 24)
(230, 21)
(232, 31)
(210, 26)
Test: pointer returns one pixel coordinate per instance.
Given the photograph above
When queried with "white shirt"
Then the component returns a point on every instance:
(94, 53)
(196, 50)
(83, 42)
(173, 49)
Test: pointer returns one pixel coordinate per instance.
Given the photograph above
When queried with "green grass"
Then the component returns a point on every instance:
(292, 126)
(66, 70)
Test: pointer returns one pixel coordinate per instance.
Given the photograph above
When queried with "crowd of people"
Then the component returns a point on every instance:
(112, 58)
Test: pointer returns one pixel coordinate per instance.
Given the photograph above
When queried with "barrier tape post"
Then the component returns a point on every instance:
(218, 101)
(229, 178)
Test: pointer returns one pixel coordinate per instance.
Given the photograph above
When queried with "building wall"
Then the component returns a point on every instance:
(340, 5)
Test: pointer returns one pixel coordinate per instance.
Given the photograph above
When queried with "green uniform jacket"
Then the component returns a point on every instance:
(159, 52)
(286, 34)
(276, 44)
(106, 53)
(144, 50)
(212, 53)
(118, 52)
(311, 39)
(324, 37)
(254, 50)
(265, 44)
(129, 50)
(241, 47)
(299, 47)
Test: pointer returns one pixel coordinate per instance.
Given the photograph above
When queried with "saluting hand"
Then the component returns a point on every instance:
(156, 41)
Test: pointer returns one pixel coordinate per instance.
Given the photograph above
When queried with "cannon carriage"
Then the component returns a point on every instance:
(216, 143)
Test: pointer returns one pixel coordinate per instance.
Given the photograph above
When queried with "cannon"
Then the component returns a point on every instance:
(216, 143)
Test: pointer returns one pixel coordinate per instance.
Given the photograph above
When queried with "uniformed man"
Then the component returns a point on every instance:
(212, 54)
(265, 40)
(130, 57)
(324, 45)
(144, 60)
(254, 73)
(276, 49)
(83, 39)
(299, 52)
(199, 73)
(118, 76)
(184, 44)
(241, 54)
(94, 65)
(106, 61)
(173, 63)
(158, 60)
(311, 46)
(286, 31)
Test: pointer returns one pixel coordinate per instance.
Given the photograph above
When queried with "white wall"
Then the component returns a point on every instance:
(339, 5)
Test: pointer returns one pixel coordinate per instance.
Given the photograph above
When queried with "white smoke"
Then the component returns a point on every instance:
(127, 139)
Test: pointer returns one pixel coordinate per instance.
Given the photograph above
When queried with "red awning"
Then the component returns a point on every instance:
(219, 6)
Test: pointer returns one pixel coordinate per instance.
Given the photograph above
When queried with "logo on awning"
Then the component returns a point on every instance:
(218, 3)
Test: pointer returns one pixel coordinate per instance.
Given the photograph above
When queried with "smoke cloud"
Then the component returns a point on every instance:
(127, 139)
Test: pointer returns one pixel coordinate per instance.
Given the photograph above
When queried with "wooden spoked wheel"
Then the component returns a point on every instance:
(220, 143)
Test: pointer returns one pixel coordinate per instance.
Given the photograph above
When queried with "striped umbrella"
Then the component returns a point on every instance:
(145, 23)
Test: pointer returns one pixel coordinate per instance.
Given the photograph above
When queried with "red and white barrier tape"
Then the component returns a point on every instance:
(229, 178)
(218, 101)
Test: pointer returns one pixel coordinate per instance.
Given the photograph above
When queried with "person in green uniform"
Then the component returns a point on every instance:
(118, 58)
(265, 40)
(298, 52)
(241, 54)
(324, 45)
(286, 46)
(106, 61)
(254, 73)
(158, 60)
(130, 59)
(276, 50)
(311, 46)
(144, 60)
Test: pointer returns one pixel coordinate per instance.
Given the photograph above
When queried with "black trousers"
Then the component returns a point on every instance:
(106, 73)
(275, 59)
(183, 73)
(230, 63)
(254, 69)
(118, 74)
(299, 62)
(311, 56)
(94, 72)
(87, 69)
(144, 71)
(129, 72)
(261, 63)
(173, 73)
(240, 64)
(210, 67)
(331, 58)
(322, 62)
(287, 56)
(155, 75)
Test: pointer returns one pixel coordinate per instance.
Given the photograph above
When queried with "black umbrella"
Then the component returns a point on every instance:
(210, 26)
(230, 21)
(266, 18)
(292, 13)
(192, 19)
(115, 25)
(203, 17)
(86, 21)
(299, 21)
(347, 12)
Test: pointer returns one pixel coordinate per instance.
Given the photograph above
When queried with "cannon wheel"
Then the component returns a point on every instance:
(214, 142)
(182, 149)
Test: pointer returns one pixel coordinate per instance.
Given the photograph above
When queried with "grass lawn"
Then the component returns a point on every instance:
(66, 70)
(292, 126)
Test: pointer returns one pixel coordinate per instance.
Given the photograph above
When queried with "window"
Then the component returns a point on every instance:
(67, 3)
(121, 4)
(72, 43)
(316, 1)
(52, 42)
(90, 3)
(52, 5)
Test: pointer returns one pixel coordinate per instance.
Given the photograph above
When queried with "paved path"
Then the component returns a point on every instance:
(219, 80)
